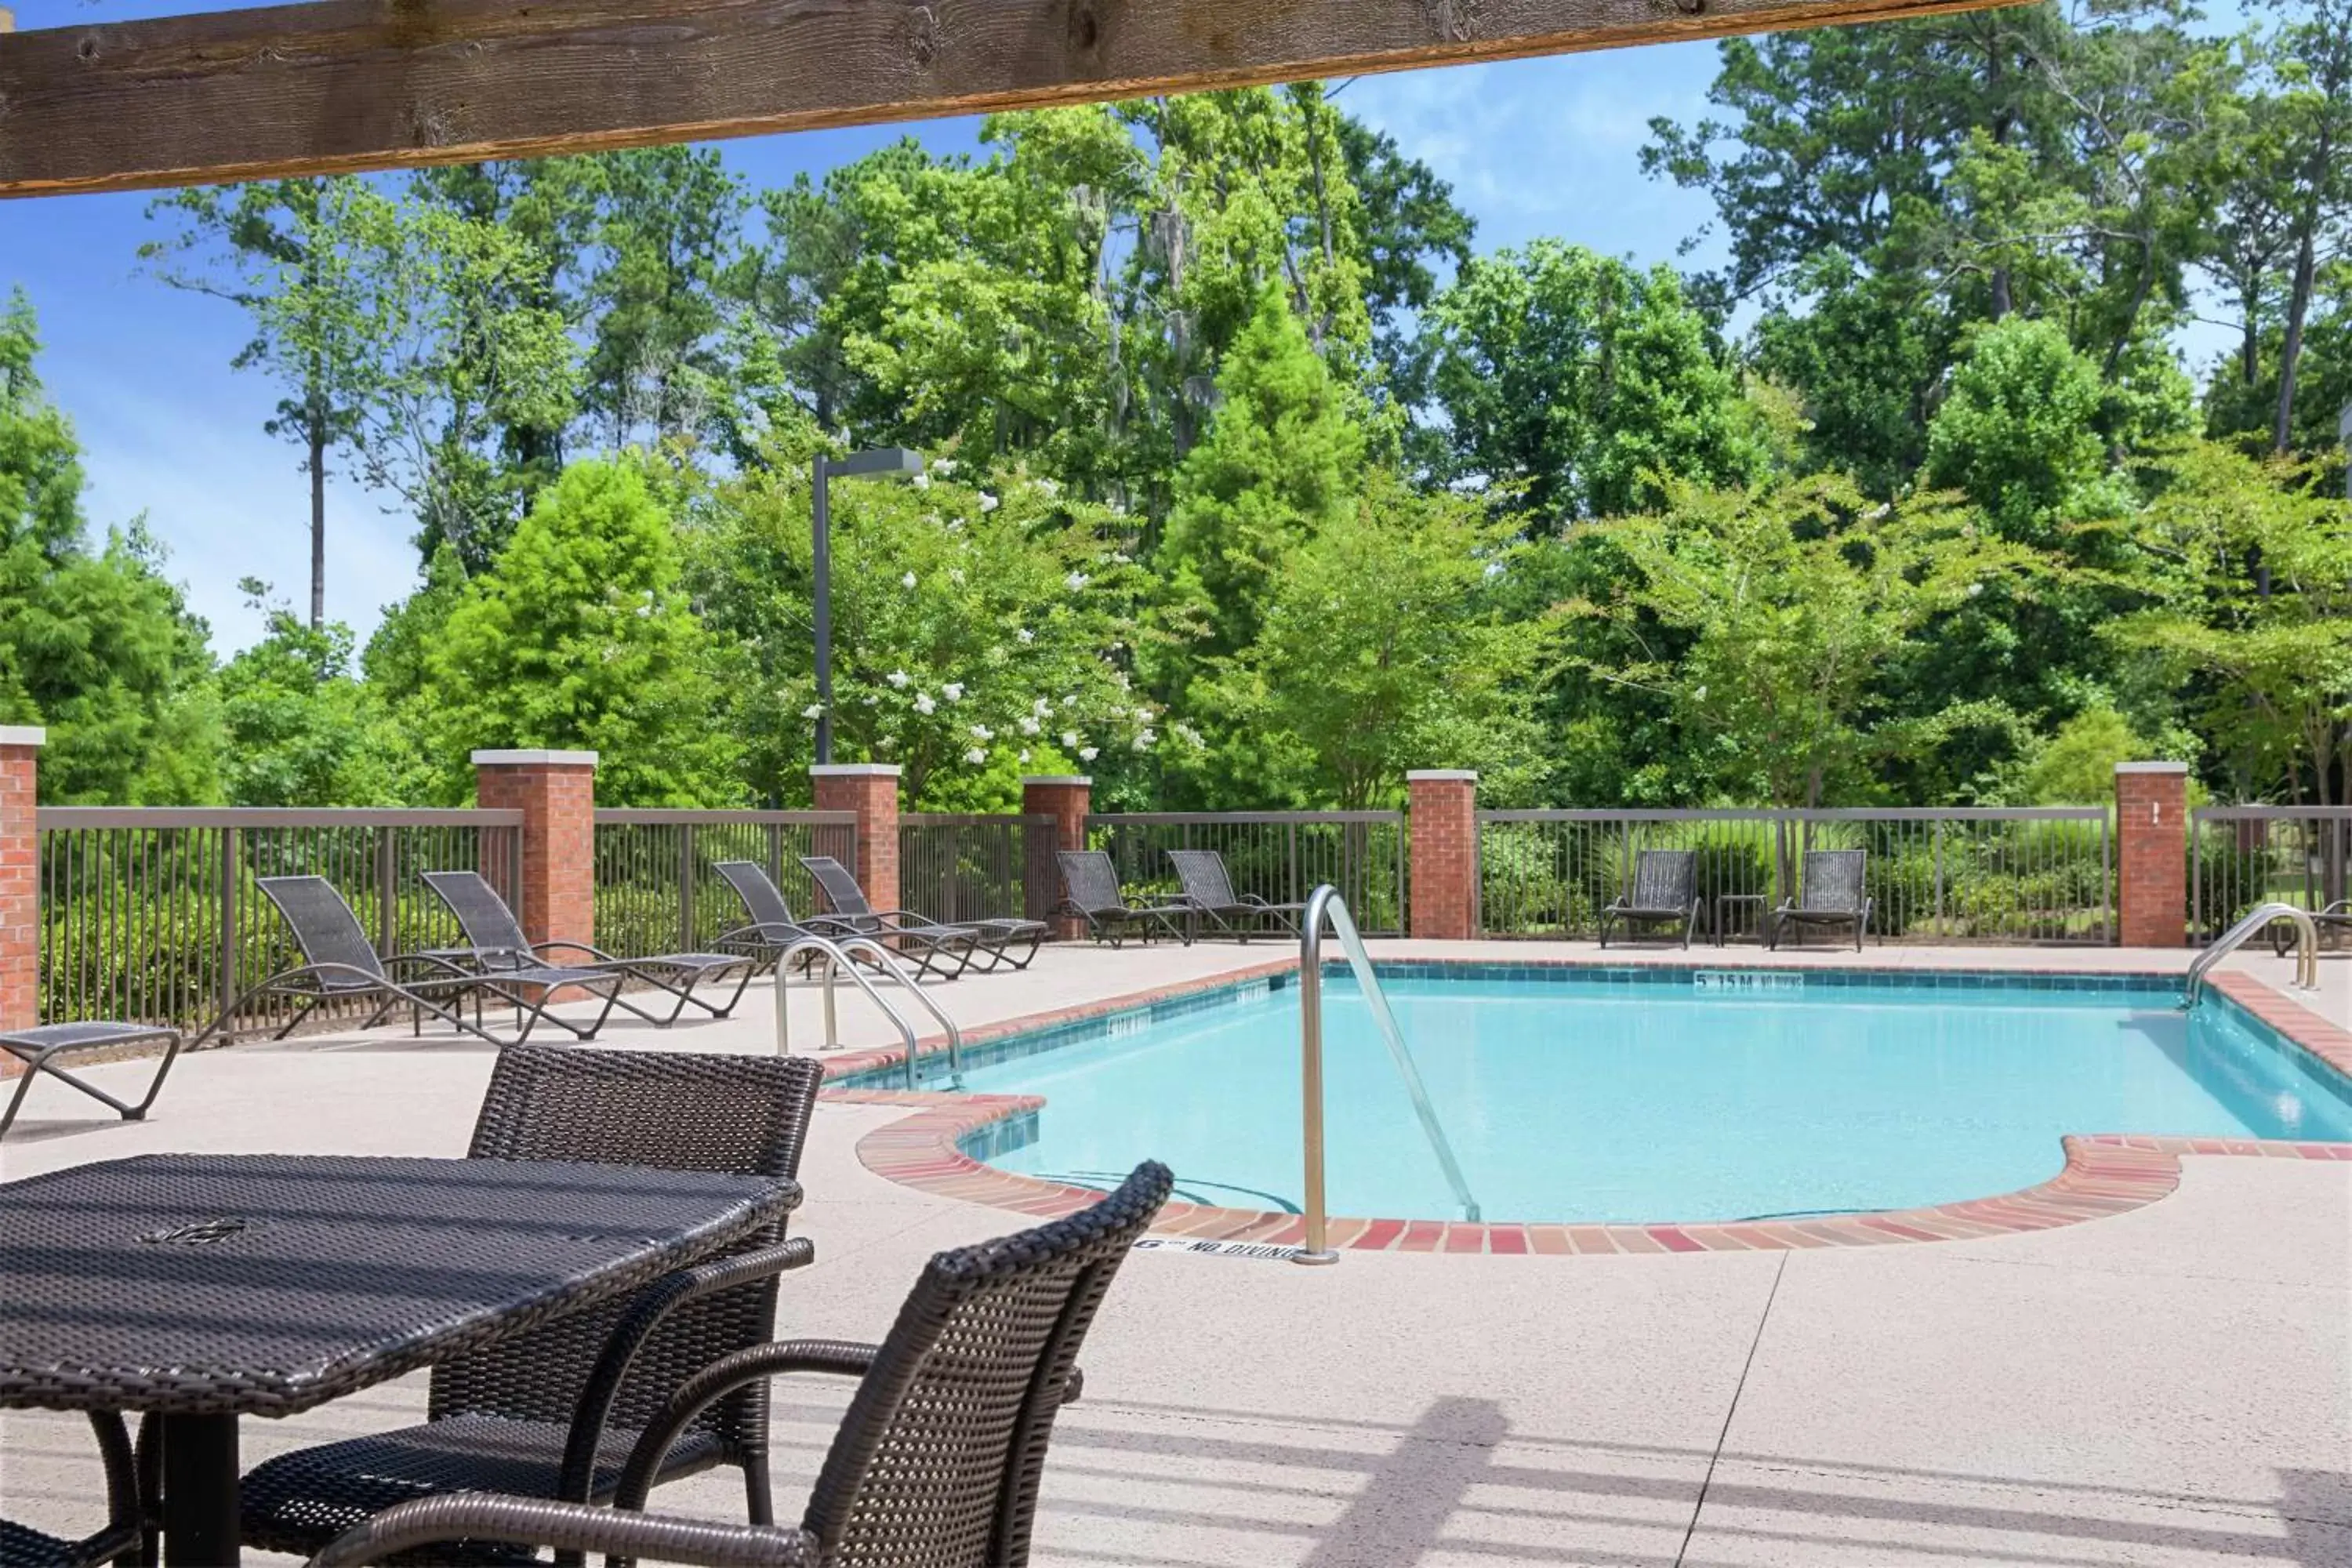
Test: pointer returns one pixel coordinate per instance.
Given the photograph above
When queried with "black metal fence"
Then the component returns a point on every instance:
(656, 890)
(152, 915)
(1279, 856)
(955, 867)
(2007, 875)
(2241, 856)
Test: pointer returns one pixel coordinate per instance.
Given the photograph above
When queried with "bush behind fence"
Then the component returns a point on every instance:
(2039, 875)
(156, 915)
(2242, 856)
(1280, 856)
(656, 890)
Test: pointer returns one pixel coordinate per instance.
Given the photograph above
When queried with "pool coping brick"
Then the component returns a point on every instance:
(2105, 1174)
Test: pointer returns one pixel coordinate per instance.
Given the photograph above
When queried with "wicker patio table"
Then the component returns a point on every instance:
(207, 1287)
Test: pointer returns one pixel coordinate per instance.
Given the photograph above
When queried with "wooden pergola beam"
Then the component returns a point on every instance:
(345, 86)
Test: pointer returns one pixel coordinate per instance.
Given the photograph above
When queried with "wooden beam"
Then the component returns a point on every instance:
(343, 86)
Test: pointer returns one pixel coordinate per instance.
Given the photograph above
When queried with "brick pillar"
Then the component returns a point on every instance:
(1444, 853)
(2152, 854)
(871, 790)
(556, 793)
(1067, 798)
(20, 913)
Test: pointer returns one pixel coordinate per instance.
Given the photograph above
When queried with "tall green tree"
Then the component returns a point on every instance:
(298, 729)
(2274, 658)
(284, 251)
(1582, 383)
(1789, 601)
(95, 645)
(1384, 647)
(581, 636)
(1280, 462)
(984, 627)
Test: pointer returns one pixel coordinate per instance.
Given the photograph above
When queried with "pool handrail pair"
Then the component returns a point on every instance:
(1325, 905)
(837, 952)
(2306, 947)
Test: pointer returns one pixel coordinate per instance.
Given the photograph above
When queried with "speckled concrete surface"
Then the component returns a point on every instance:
(2169, 1387)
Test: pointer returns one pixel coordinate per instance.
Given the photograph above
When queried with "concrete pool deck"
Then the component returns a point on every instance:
(2166, 1385)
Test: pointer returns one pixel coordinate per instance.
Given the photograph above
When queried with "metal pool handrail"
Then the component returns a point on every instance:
(2306, 947)
(836, 961)
(1323, 905)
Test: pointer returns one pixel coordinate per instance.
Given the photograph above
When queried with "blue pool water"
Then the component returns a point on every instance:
(1588, 1100)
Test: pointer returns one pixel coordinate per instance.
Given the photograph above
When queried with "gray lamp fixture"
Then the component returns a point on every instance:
(879, 462)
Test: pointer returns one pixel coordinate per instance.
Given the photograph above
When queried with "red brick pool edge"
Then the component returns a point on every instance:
(2106, 1172)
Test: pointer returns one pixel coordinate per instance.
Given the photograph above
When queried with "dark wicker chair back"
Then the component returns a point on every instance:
(1205, 878)
(1832, 881)
(840, 886)
(324, 928)
(762, 900)
(936, 1462)
(1665, 879)
(1090, 879)
(736, 1115)
(489, 925)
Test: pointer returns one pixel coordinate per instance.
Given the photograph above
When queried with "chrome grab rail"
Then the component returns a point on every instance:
(2306, 957)
(1326, 904)
(836, 961)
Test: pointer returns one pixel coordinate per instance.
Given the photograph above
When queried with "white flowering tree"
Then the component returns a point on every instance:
(982, 630)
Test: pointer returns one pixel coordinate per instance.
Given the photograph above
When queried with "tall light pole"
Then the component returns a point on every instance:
(2344, 433)
(892, 462)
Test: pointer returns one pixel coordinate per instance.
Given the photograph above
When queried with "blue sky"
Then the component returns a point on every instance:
(1534, 147)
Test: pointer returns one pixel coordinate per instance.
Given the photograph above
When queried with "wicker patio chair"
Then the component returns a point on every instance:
(774, 927)
(1209, 890)
(340, 965)
(997, 934)
(22, 1546)
(1665, 892)
(938, 1460)
(39, 1046)
(495, 941)
(1090, 893)
(1832, 895)
(553, 1412)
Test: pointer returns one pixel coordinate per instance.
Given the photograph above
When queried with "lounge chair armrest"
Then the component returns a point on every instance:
(2337, 906)
(840, 1358)
(565, 1527)
(653, 1304)
(441, 967)
(589, 948)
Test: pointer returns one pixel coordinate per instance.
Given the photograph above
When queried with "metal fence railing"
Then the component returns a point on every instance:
(2241, 856)
(953, 867)
(1279, 856)
(656, 890)
(152, 915)
(2042, 874)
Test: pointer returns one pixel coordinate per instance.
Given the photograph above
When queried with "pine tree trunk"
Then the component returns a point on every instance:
(318, 521)
(2291, 351)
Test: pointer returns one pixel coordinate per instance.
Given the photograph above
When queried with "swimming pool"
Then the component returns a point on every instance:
(1684, 1096)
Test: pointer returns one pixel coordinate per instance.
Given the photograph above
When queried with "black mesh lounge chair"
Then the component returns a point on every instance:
(1665, 892)
(495, 941)
(848, 902)
(1832, 895)
(552, 1412)
(773, 925)
(39, 1046)
(2333, 923)
(1209, 890)
(1090, 893)
(936, 1462)
(340, 964)
(22, 1546)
